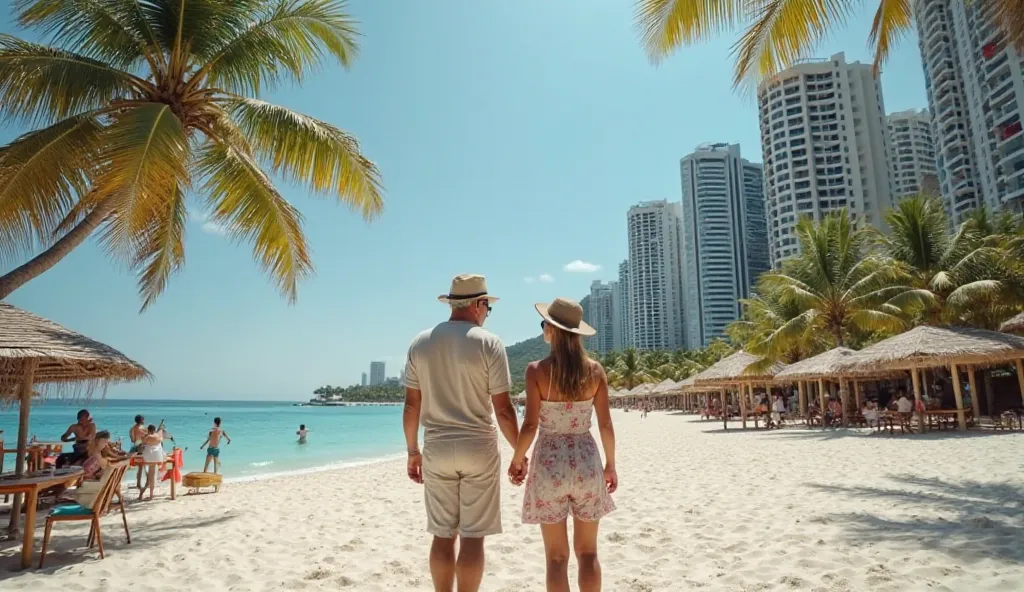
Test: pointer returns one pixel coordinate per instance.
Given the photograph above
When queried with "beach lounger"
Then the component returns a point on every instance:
(110, 485)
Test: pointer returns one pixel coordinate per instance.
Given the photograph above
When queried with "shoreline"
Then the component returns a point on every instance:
(332, 466)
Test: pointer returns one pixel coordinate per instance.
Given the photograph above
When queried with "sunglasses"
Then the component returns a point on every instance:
(543, 325)
(488, 305)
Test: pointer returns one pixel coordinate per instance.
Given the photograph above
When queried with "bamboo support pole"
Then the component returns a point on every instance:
(918, 403)
(975, 407)
(961, 420)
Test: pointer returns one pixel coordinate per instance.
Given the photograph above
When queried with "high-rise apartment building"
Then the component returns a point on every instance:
(601, 316)
(825, 147)
(725, 243)
(912, 154)
(363, 383)
(376, 373)
(655, 275)
(620, 309)
(976, 94)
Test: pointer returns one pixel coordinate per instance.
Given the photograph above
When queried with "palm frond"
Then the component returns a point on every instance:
(965, 294)
(160, 250)
(146, 155)
(193, 29)
(242, 199)
(783, 32)
(42, 174)
(1009, 16)
(876, 320)
(40, 84)
(288, 41)
(892, 21)
(311, 151)
(98, 29)
(665, 25)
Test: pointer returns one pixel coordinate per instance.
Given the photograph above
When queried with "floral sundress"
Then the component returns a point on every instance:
(566, 475)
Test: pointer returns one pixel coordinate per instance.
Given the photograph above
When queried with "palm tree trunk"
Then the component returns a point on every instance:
(53, 255)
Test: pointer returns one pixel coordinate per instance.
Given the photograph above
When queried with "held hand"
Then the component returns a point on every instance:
(611, 478)
(517, 471)
(414, 468)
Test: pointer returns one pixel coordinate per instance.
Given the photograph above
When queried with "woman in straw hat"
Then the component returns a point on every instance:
(566, 475)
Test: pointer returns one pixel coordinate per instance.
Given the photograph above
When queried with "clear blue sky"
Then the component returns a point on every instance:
(512, 138)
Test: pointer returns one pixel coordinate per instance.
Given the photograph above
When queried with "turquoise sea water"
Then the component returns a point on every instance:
(262, 433)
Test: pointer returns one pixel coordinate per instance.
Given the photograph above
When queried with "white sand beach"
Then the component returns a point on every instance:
(794, 509)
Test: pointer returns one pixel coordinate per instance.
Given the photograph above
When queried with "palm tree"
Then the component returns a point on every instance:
(780, 32)
(763, 316)
(836, 283)
(629, 371)
(949, 274)
(140, 102)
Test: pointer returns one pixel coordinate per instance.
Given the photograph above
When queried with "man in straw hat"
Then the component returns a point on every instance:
(456, 373)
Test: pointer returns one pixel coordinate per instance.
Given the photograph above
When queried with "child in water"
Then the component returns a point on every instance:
(302, 433)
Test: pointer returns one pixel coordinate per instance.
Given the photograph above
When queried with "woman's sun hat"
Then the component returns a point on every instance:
(468, 286)
(565, 314)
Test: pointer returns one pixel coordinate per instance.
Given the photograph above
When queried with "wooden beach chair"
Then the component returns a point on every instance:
(101, 504)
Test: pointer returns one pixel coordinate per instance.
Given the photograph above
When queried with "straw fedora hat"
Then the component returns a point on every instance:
(468, 286)
(565, 314)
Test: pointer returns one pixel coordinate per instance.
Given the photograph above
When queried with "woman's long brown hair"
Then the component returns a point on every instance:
(570, 365)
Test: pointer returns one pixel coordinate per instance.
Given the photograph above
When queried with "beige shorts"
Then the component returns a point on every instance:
(462, 488)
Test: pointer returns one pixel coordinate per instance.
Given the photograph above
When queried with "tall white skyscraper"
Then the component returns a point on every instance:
(976, 94)
(655, 275)
(825, 147)
(725, 244)
(376, 373)
(601, 316)
(912, 154)
(620, 309)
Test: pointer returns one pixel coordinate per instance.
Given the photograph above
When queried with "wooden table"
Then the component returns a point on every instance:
(36, 453)
(31, 484)
(939, 418)
(886, 420)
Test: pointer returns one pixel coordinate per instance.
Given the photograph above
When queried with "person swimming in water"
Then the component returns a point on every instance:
(302, 433)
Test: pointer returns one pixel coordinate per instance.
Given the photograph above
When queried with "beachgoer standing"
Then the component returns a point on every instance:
(566, 476)
(455, 376)
(302, 433)
(136, 434)
(778, 408)
(79, 434)
(213, 440)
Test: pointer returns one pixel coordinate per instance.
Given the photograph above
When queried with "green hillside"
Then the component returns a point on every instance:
(522, 353)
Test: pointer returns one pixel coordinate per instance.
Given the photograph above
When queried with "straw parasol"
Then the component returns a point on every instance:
(35, 351)
(1014, 325)
(740, 369)
(665, 387)
(832, 366)
(642, 389)
(836, 362)
(735, 369)
(925, 347)
(930, 347)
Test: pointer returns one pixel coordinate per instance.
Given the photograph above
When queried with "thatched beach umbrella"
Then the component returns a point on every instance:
(35, 351)
(833, 365)
(930, 347)
(1014, 325)
(741, 370)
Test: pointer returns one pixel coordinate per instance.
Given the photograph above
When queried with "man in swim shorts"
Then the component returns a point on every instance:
(213, 452)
